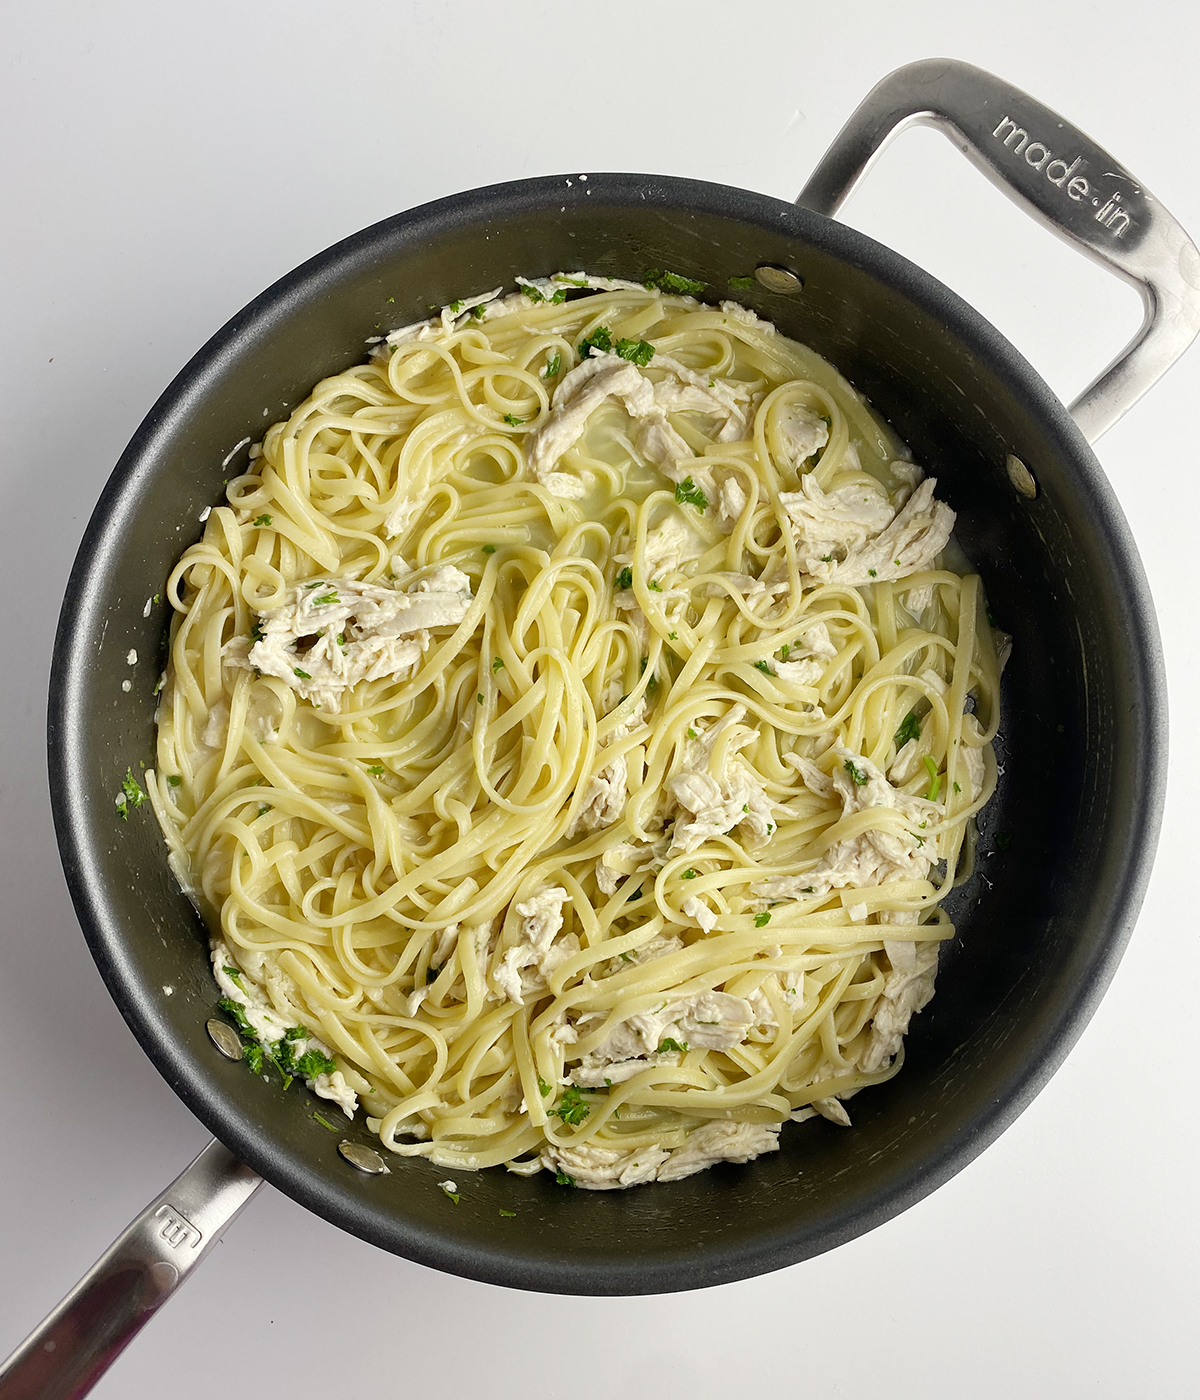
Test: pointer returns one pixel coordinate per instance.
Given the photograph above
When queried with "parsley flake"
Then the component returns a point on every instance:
(498, 664)
(324, 600)
(489, 549)
(910, 728)
(543, 1087)
(447, 1188)
(509, 1214)
(872, 573)
(262, 522)
(624, 579)
(131, 795)
(763, 919)
(479, 698)
(174, 779)
(234, 974)
(563, 1179)
(689, 874)
(688, 493)
(325, 1123)
(692, 734)
(553, 364)
(743, 284)
(672, 636)
(512, 420)
(304, 676)
(637, 352)
(670, 1046)
(673, 282)
(857, 774)
(572, 1108)
(935, 778)
(763, 666)
(600, 339)
(377, 769)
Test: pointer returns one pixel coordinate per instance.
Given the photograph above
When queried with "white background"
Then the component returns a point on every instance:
(163, 163)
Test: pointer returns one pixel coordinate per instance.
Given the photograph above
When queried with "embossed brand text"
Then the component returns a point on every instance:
(1067, 175)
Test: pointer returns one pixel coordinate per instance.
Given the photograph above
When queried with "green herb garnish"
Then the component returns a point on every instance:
(600, 339)
(174, 779)
(304, 676)
(262, 522)
(637, 352)
(763, 666)
(689, 874)
(131, 795)
(669, 1046)
(512, 420)
(553, 364)
(498, 664)
(910, 728)
(325, 599)
(688, 493)
(857, 774)
(563, 1179)
(653, 587)
(744, 284)
(763, 919)
(543, 1087)
(572, 1108)
(509, 1214)
(233, 1009)
(673, 282)
(235, 975)
(489, 549)
(377, 769)
(624, 579)
(455, 1196)
(325, 1123)
(935, 778)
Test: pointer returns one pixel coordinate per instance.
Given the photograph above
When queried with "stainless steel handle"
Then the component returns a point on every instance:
(1059, 175)
(67, 1354)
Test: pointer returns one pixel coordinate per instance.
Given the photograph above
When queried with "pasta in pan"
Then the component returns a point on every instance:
(573, 720)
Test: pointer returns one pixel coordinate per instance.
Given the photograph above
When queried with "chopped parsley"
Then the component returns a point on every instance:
(872, 573)
(624, 579)
(857, 774)
(600, 339)
(910, 728)
(826, 558)
(304, 676)
(763, 666)
(233, 1009)
(574, 281)
(563, 1179)
(377, 769)
(543, 1087)
(262, 522)
(957, 788)
(532, 293)
(489, 549)
(340, 639)
(653, 587)
(692, 734)
(572, 1107)
(509, 1214)
(935, 778)
(324, 600)
(553, 364)
(763, 919)
(688, 493)
(253, 1055)
(512, 420)
(131, 795)
(174, 779)
(637, 352)
(447, 1188)
(672, 636)
(477, 312)
(454, 308)
(784, 650)
(743, 284)
(498, 664)
(689, 874)
(673, 282)
(479, 698)
(670, 1046)
(316, 583)
(325, 1123)
(234, 974)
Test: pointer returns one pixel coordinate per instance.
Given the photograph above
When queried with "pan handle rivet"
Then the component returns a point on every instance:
(778, 279)
(364, 1158)
(225, 1038)
(1021, 477)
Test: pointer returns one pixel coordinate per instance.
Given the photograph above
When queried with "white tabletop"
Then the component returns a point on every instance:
(166, 161)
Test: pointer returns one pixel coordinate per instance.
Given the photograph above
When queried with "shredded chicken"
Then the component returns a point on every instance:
(606, 790)
(708, 1021)
(717, 799)
(611, 1169)
(330, 634)
(872, 858)
(907, 990)
(540, 947)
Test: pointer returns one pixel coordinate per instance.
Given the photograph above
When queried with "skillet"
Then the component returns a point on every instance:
(1062, 866)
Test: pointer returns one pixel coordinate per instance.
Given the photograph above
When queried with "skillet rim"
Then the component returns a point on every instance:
(723, 1262)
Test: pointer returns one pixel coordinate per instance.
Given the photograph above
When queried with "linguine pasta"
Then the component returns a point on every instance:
(573, 720)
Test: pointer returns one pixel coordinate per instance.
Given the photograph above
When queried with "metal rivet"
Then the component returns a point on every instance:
(778, 279)
(225, 1038)
(364, 1158)
(1021, 477)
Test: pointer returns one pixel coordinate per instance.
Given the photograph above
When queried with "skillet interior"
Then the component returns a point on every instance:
(1083, 745)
